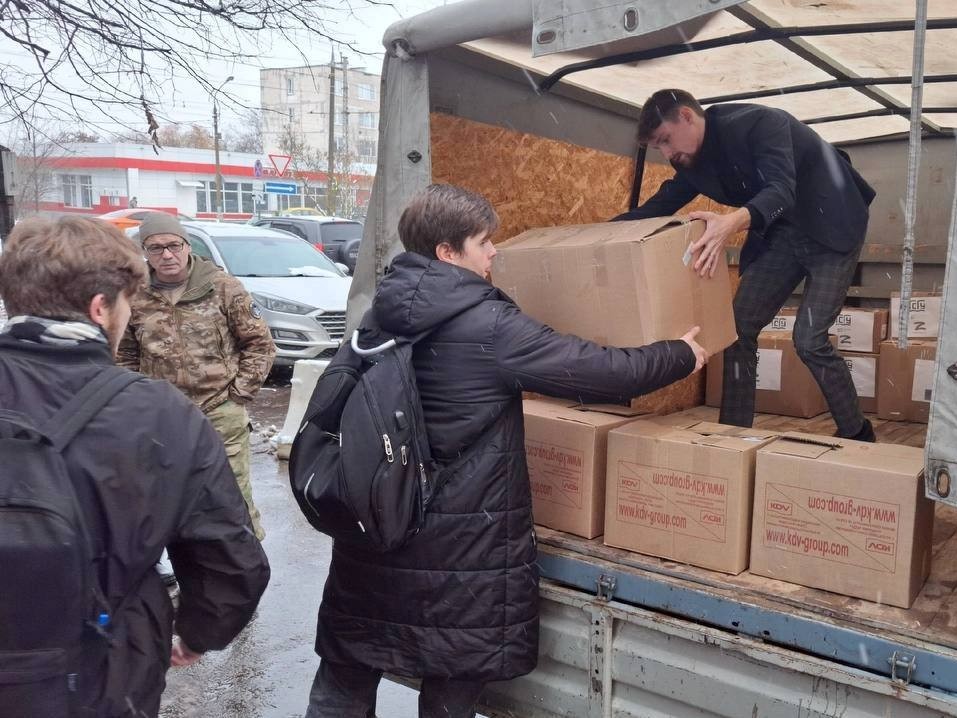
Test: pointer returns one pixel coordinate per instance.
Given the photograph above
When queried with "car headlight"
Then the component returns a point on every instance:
(277, 304)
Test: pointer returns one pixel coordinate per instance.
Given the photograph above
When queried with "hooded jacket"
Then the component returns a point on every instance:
(211, 344)
(157, 476)
(460, 599)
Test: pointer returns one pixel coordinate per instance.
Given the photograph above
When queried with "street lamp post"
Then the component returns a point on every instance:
(218, 194)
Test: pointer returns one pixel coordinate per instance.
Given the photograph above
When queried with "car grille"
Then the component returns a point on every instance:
(334, 323)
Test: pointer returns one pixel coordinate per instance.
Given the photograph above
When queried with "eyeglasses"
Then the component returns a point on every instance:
(157, 249)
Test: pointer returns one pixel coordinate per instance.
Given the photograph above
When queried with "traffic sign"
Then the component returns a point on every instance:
(280, 162)
(281, 188)
(258, 168)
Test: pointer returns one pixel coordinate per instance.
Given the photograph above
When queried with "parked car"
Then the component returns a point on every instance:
(301, 293)
(131, 217)
(339, 238)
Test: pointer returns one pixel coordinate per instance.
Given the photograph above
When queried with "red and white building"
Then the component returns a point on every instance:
(94, 178)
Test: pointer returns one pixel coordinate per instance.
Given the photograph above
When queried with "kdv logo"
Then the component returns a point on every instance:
(880, 547)
(708, 517)
(780, 507)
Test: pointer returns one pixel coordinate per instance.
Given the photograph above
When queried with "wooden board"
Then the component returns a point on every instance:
(932, 618)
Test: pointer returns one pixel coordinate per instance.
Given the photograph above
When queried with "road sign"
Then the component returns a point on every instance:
(281, 188)
(280, 162)
(258, 168)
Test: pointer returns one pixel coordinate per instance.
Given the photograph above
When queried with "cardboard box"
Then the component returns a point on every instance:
(905, 380)
(924, 317)
(857, 330)
(848, 517)
(566, 450)
(682, 493)
(783, 321)
(863, 368)
(622, 284)
(784, 384)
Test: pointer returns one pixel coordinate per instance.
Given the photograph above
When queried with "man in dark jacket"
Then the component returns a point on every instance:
(805, 209)
(458, 605)
(149, 469)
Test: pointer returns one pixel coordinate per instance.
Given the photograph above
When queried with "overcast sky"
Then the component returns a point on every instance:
(183, 101)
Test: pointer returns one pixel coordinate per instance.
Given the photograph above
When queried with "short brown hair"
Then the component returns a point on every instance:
(661, 107)
(54, 268)
(444, 213)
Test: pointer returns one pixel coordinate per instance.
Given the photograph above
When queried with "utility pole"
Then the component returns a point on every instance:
(345, 126)
(330, 165)
(217, 197)
(218, 192)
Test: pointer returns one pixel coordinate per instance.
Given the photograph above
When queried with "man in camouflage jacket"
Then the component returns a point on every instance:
(197, 327)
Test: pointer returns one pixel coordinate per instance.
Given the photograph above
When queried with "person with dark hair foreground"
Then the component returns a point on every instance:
(142, 472)
(805, 209)
(457, 606)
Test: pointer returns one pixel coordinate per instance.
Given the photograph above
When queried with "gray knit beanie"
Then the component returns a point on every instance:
(161, 223)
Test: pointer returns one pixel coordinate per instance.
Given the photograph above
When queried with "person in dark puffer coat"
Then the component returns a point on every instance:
(458, 604)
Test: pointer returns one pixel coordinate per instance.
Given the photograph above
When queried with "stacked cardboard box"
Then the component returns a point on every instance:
(566, 449)
(863, 368)
(784, 384)
(682, 491)
(857, 330)
(847, 517)
(923, 320)
(905, 380)
(622, 284)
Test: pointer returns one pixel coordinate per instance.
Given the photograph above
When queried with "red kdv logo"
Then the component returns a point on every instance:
(780, 507)
(711, 518)
(880, 547)
(629, 483)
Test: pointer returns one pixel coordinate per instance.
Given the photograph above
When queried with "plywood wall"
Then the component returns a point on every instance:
(537, 182)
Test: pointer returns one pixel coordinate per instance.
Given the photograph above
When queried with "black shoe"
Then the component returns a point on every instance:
(866, 433)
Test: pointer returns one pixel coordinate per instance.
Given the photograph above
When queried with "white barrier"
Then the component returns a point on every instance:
(305, 374)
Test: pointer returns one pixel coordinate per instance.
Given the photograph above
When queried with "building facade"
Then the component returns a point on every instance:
(295, 100)
(94, 178)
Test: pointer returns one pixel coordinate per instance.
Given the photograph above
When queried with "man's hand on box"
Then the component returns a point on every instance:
(700, 355)
(718, 230)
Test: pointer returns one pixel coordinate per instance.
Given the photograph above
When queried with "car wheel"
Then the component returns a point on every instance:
(349, 254)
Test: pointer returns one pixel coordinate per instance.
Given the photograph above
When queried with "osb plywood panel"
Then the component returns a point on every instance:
(538, 182)
(533, 181)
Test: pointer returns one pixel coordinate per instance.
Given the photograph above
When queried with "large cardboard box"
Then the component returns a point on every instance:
(566, 449)
(923, 319)
(848, 517)
(622, 284)
(905, 380)
(784, 384)
(863, 368)
(682, 492)
(857, 330)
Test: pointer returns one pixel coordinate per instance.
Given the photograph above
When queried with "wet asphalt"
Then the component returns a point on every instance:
(268, 670)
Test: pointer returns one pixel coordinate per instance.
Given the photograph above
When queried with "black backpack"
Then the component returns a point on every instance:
(360, 466)
(51, 603)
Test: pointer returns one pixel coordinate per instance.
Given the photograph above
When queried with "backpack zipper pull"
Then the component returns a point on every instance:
(388, 448)
(404, 454)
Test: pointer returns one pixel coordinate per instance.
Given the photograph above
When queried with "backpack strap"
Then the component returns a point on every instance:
(72, 417)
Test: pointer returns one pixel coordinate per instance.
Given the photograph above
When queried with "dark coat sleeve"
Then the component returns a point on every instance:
(773, 157)
(670, 197)
(219, 563)
(533, 357)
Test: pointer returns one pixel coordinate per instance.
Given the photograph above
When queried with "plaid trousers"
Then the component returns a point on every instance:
(765, 285)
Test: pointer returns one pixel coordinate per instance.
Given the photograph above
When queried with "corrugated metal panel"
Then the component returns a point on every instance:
(663, 667)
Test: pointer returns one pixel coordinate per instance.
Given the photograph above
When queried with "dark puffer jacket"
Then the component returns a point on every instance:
(461, 598)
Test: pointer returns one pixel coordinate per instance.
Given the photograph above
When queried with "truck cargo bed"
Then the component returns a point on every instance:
(853, 631)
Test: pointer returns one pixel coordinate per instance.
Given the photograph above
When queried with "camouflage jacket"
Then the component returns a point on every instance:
(211, 343)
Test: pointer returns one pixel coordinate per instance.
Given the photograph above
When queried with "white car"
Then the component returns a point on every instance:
(301, 293)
